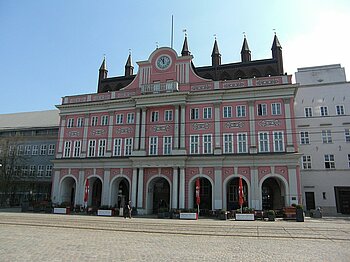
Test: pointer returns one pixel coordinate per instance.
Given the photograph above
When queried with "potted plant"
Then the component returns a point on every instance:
(299, 213)
(223, 214)
(271, 215)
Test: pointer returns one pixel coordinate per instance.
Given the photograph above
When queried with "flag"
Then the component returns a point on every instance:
(86, 193)
(240, 193)
(198, 198)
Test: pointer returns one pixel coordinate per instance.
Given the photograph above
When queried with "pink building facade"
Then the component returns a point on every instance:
(148, 142)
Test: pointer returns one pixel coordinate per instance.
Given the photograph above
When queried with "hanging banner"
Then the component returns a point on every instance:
(240, 193)
(86, 193)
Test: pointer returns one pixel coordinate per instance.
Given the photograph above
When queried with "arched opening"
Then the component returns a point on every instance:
(255, 73)
(239, 75)
(232, 194)
(68, 189)
(158, 195)
(273, 194)
(96, 192)
(120, 192)
(205, 194)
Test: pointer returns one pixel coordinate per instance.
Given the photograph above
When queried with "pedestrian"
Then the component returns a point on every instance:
(129, 208)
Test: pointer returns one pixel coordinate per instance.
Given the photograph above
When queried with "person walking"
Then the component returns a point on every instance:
(129, 208)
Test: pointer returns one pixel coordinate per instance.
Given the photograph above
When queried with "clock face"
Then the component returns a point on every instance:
(163, 62)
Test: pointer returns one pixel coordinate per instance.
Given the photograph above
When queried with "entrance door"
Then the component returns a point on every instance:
(342, 195)
(310, 200)
(161, 196)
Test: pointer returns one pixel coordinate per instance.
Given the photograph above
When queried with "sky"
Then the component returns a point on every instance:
(51, 49)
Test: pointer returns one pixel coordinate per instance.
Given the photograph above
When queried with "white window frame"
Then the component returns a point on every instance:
(347, 135)
(128, 146)
(227, 141)
(278, 141)
(70, 122)
(194, 144)
(264, 142)
(104, 120)
(227, 112)
(154, 116)
(40, 170)
(43, 149)
(130, 118)
(207, 142)
(27, 150)
(48, 172)
(168, 115)
(308, 111)
(276, 109)
(67, 148)
(35, 150)
(77, 148)
(327, 137)
(194, 113)
(80, 122)
(20, 150)
(241, 111)
(119, 119)
(94, 120)
(324, 111)
(261, 109)
(101, 147)
(32, 169)
(304, 138)
(207, 113)
(92, 148)
(153, 146)
(329, 161)
(242, 144)
(167, 145)
(340, 110)
(306, 162)
(51, 150)
(117, 148)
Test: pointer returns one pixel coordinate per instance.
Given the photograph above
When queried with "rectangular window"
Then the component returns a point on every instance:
(194, 144)
(70, 122)
(278, 141)
(264, 142)
(25, 170)
(167, 145)
(326, 136)
(40, 170)
(241, 111)
(32, 170)
(117, 151)
(104, 121)
(168, 115)
(329, 161)
(348, 160)
(324, 111)
(51, 150)
(67, 148)
(276, 109)
(340, 110)
(101, 147)
(48, 170)
(347, 135)
(207, 112)
(12, 150)
(119, 119)
(262, 110)
(153, 145)
(80, 122)
(77, 146)
(128, 146)
(207, 144)
(92, 146)
(35, 150)
(227, 112)
(43, 150)
(228, 143)
(306, 162)
(27, 150)
(94, 121)
(194, 113)
(154, 116)
(130, 118)
(242, 143)
(304, 138)
(308, 111)
(20, 150)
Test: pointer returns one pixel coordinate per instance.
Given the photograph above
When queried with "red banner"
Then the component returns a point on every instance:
(240, 193)
(198, 198)
(86, 193)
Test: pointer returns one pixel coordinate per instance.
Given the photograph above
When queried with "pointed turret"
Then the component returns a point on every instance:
(215, 55)
(185, 51)
(103, 73)
(129, 68)
(277, 54)
(245, 52)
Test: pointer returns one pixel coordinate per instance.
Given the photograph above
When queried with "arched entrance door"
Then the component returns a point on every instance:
(120, 192)
(68, 189)
(96, 191)
(158, 195)
(205, 194)
(232, 194)
(273, 193)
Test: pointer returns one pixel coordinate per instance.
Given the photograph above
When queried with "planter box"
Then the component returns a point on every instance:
(244, 217)
(190, 216)
(61, 210)
(104, 212)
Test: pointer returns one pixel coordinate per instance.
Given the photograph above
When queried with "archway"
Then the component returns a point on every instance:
(68, 189)
(273, 193)
(120, 192)
(158, 195)
(96, 191)
(232, 194)
(205, 194)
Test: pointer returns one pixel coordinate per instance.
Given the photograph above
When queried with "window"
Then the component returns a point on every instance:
(119, 119)
(278, 141)
(130, 118)
(348, 160)
(207, 112)
(40, 170)
(194, 113)
(51, 150)
(32, 170)
(154, 116)
(27, 150)
(167, 145)
(347, 135)
(264, 142)
(128, 146)
(340, 110)
(104, 121)
(94, 121)
(329, 161)
(35, 150)
(12, 150)
(80, 122)
(326, 136)
(48, 170)
(324, 111)
(306, 162)
(92, 146)
(262, 109)
(67, 148)
(276, 108)
(77, 146)
(153, 145)
(228, 143)
(20, 150)
(241, 111)
(207, 144)
(242, 143)
(304, 138)
(101, 147)
(117, 147)
(227, 112)
(168, 115)
(308, 111)
(43, 150)
(70, 122)
(25, 170)
(194, 144)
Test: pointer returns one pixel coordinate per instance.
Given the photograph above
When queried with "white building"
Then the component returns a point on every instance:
(322, 107)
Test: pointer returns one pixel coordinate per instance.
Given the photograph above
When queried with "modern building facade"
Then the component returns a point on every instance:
(148, 137)
(27, 146)
(322, 108)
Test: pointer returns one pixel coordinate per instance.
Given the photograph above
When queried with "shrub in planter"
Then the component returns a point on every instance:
(271, 215)
(223, 214)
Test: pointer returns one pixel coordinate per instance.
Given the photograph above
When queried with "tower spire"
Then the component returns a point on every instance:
(277, 53)
(102, 74)
(245, 52)
(129, 68)
(215, 55)
(185, 51)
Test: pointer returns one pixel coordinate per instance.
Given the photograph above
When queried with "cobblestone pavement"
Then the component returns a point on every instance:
(48, 237)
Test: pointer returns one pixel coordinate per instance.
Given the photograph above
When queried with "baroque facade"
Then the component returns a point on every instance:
(147, 137)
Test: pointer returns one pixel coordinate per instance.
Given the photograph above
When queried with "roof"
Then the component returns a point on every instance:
(27, 120)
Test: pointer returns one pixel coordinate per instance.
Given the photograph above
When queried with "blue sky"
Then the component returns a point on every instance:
(50, 49)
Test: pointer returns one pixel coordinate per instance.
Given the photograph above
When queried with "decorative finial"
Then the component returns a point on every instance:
(244, 35)
(104, 56)
(215, 36)
(185, 31)
(157, 45)
(129, 51)
(274, 31)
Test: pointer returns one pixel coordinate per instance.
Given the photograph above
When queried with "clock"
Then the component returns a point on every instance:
(163, 62)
